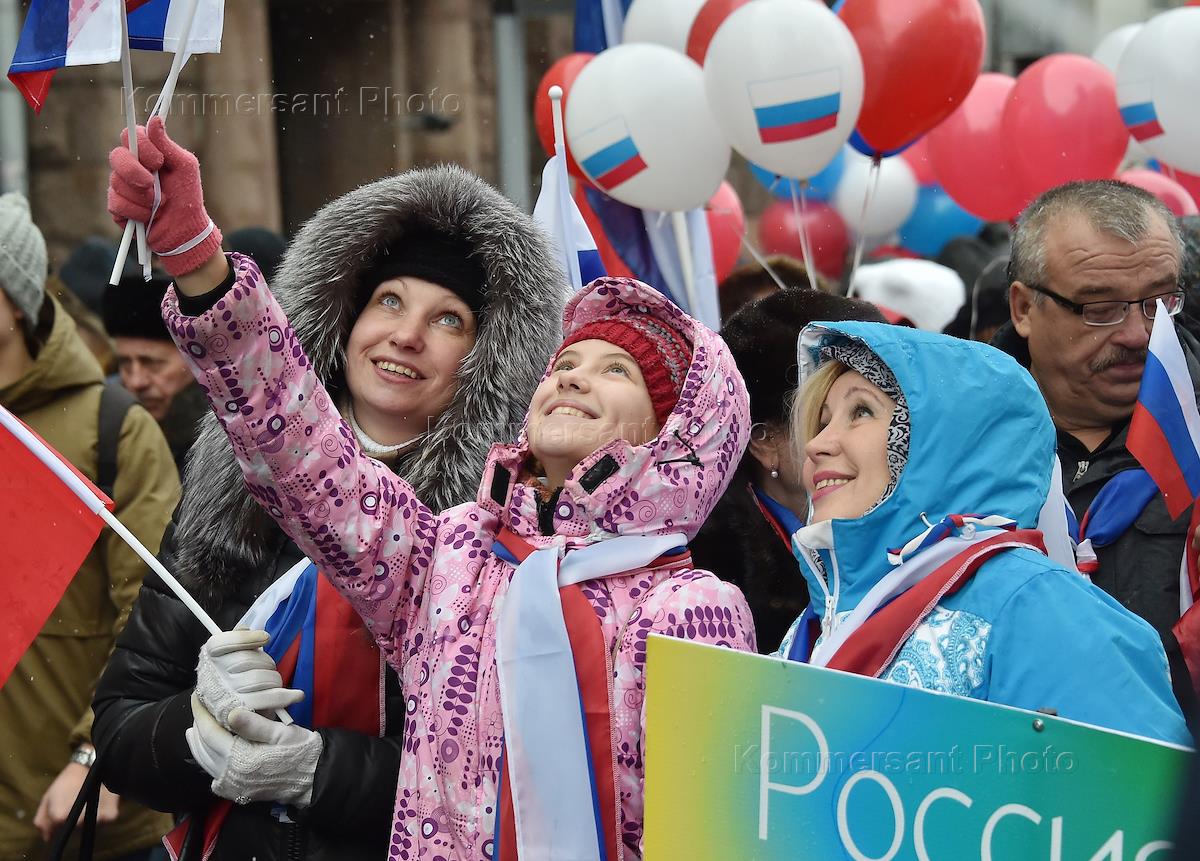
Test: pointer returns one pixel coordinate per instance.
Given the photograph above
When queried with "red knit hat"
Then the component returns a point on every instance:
(662, 354)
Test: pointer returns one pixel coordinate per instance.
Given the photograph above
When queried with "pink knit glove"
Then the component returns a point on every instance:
(161, 189)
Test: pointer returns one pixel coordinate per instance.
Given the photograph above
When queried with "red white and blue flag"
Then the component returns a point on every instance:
(797, 106)
(558, 215)
(60, 33)
(1137, 110)
(1164, 434)
(608, 154)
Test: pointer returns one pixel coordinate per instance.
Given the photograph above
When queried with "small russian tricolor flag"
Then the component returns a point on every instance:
(1137, 110)
(614, 156)
(558, 215)
(58, 33)
(797, 106)
(1164, 434)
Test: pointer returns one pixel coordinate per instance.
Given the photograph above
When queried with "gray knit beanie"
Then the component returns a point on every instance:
(22, 258)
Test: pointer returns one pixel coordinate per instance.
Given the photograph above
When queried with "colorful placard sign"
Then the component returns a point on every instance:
(750, 757)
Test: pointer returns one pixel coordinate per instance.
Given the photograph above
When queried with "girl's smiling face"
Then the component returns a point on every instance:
(845, 464)
(594, 394)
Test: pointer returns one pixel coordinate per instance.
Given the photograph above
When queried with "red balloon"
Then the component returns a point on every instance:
(1061, 123)
(1175, 196)
(1190, 181)
(920, 58)
(563, 73)
(726, 226)
(970, 157)
(778, 233)
(710, 17)
(918, 159)
(613, 264)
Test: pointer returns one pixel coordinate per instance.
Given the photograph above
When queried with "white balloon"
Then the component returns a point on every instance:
(891, 204)
(925, 292)
(640, 127)
(663, 22)
(1157, 83)
(785, 81)
(1108, 52)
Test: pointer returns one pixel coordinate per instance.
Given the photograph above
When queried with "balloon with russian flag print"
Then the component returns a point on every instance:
(1157, 79)
(785, 81)
(640, 127)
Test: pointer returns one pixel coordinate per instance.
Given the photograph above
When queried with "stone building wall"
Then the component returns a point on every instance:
(308, 99)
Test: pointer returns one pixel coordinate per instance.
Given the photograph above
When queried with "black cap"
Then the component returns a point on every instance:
(132, 308)
(422, 252)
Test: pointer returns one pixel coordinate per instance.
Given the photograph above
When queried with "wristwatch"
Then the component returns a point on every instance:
(84, 755)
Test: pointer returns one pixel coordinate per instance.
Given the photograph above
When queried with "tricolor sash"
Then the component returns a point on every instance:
(557, 796)
(320, 646)
(867, 641)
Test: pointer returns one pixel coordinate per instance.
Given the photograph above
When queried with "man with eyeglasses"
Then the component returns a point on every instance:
(1090, 263)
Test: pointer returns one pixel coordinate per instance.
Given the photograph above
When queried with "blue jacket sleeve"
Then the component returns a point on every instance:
(1061, 643)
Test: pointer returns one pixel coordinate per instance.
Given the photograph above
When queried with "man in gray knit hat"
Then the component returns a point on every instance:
(50, 380)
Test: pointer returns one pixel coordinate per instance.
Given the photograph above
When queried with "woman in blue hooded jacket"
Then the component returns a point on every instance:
(928, 462)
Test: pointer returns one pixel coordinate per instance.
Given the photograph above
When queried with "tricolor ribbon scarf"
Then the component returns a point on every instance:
(933, 565)
(320, 646)
(1118, 504)
(557, 797)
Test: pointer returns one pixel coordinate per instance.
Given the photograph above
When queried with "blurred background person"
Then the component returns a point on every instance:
(148, 363)
(50, 381)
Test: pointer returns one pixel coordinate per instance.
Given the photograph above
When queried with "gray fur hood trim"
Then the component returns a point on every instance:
(220, 531)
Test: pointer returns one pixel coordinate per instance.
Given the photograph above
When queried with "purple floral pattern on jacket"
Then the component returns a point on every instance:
(426, 584)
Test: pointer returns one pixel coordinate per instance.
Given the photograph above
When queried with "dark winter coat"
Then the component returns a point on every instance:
(227, 550)
(740, 545)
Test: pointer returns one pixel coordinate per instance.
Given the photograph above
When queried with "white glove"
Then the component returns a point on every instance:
(234, 672)
(264, 761)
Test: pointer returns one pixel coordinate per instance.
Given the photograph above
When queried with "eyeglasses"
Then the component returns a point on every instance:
(1111, 312)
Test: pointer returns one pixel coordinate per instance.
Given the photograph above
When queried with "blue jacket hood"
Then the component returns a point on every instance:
(981, 442)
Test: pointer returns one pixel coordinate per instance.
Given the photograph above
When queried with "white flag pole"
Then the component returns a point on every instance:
(565, 227)
(161, 109)
(131, 124)
(684, 245)
(97, 507)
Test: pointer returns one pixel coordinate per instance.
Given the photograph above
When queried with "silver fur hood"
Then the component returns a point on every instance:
(219, 530)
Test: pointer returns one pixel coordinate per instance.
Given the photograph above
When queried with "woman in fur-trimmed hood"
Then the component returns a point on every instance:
(442, 226)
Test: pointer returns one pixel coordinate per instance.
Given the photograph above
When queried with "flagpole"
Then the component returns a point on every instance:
(131, 124)
(684, 245)
(94, 504)
(161, 109)
(565, 229)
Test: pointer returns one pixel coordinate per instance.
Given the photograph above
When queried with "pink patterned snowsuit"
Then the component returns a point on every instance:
(426, 584)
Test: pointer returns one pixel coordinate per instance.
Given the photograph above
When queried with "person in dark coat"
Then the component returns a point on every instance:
(747, 538)
(149, 366)
(439, 233)
(1089, 260)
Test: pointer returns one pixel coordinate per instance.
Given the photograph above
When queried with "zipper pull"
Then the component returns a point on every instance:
(828, 619)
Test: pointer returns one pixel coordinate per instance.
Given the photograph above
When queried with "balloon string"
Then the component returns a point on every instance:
(868, 195)
(798, 208)
(762, 261)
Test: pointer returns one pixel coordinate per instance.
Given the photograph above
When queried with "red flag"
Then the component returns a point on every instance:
(48, 530)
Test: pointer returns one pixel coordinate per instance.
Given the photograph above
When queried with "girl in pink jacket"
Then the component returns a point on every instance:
(517, 622)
